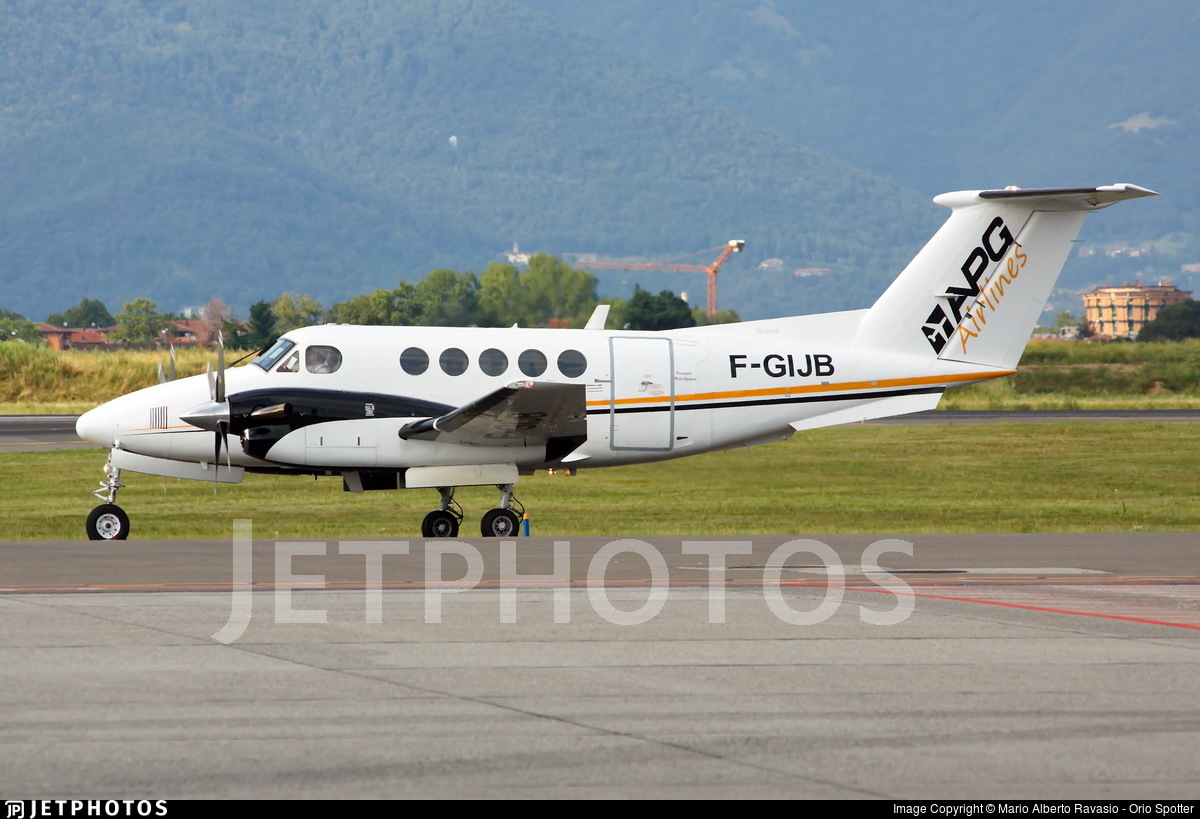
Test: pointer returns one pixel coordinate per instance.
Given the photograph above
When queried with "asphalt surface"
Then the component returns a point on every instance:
(1042, 666)
(35, 433)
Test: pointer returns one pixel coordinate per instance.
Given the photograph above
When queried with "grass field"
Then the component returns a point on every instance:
(1053, 375)
(1070, 477)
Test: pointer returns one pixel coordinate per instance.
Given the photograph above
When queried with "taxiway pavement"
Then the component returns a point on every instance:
(1047, 666)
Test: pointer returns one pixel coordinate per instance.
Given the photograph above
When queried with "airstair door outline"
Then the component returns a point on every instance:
(642, 397)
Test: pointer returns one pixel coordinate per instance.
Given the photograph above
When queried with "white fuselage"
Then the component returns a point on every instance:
(650, 395)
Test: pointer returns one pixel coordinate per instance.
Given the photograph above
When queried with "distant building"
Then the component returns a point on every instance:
(78, 338)
(181, 333)
(516, 257)
(1123, 311)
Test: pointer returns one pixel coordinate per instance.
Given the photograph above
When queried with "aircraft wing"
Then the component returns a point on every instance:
(527, 413)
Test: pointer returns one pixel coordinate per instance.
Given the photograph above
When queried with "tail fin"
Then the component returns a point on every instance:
(975, 291)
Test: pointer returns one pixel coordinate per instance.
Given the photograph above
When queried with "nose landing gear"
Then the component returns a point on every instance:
(108, 521)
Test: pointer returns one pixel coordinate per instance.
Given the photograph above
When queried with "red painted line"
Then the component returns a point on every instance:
(1027, 607)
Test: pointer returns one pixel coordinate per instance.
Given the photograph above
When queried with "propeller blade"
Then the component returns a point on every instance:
(162, 377)
(212, 386)
(222, 431)
(219, 396)
(171, 365)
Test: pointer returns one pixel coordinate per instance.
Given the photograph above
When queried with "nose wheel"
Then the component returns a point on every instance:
(108, 521)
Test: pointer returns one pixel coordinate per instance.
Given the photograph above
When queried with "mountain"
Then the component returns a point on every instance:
(210, 148)
(940, 95)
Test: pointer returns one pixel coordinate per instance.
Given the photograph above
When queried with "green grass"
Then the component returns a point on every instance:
(995, 478)
(1053, 375)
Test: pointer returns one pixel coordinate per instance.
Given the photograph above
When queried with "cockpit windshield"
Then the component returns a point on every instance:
(267, 360)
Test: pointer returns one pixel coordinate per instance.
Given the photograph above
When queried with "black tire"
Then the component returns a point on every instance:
(439, 523)
(108, 522)
(500, 523)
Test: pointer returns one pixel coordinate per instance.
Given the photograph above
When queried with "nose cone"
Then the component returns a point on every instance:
(97, 426)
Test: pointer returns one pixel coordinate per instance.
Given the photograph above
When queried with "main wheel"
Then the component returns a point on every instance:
(439, 523)
(499, 523)
(108, 522)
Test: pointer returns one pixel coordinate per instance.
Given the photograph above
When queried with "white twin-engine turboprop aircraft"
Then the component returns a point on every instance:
(439, 408)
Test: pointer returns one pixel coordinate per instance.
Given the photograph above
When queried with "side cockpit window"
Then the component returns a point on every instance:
(322, 359)
(291, 364)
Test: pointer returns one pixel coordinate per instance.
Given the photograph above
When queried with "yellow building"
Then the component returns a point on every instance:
(1124, 310)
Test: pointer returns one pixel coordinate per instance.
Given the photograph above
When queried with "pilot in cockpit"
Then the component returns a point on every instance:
(321, 360)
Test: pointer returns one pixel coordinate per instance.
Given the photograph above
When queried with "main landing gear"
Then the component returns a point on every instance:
(108, 521)
(503, 521)
(443, 521)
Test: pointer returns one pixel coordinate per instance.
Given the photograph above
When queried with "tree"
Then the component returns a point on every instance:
(552, 289)
(446, 298)
(1065, 319)
(262, 326)
(500, 296)
(616, 313)
(15, 327)
(382, 307)
(140, 320)
(296, 310)
(666, 311)
(88, 313)
(700, 315)
(1174, 323)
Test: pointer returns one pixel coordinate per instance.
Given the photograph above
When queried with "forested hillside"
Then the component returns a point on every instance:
(942, 95)
(210, 148)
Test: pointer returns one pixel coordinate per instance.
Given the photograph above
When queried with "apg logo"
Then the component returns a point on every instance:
(940, 325)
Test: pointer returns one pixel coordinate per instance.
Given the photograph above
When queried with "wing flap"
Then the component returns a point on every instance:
(524, 414)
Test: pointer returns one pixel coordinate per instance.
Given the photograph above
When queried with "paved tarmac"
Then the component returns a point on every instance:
(1047, 666)
(35, 433)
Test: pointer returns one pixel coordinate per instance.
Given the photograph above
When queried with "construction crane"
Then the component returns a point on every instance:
(668, 265)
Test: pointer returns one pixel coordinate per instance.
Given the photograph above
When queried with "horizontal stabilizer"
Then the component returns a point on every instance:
(527, 413)
(1069, 198)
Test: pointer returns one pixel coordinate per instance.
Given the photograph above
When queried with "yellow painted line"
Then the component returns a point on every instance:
(812, 388)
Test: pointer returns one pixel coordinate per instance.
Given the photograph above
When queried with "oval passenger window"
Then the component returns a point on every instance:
(532, 363)
(571, 363)
(453, 361)
(414, 361)
(493, 361)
